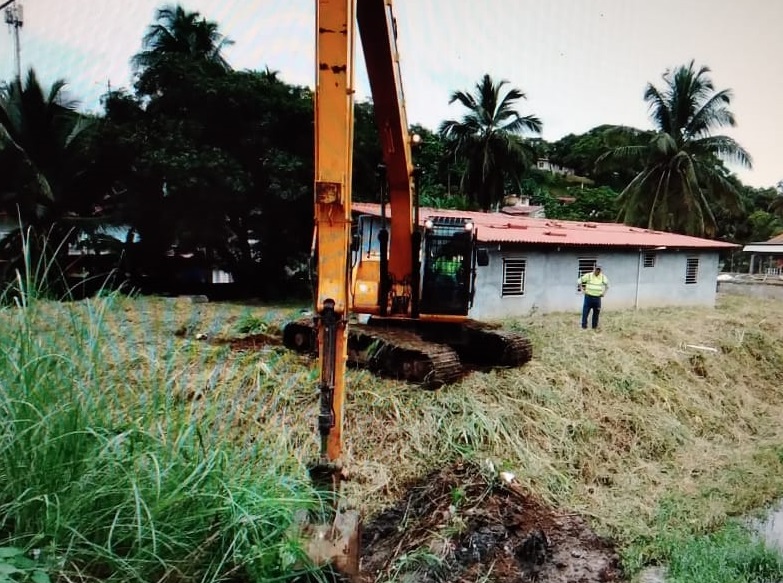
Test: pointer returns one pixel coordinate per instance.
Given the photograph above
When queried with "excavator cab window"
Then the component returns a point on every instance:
(447, 265)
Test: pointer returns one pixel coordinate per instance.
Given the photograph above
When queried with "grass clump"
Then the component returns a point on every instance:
(731, 554)
(106, 473)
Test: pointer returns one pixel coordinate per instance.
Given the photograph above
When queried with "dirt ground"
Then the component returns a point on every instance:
(250, 342)
(458, 525)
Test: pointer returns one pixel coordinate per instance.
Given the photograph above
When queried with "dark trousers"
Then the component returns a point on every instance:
(591, 303)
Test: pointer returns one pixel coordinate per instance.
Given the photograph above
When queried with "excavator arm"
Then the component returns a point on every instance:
(336, 541)
(378, 30)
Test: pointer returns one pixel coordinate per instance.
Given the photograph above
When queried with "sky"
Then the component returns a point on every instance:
(581, 63)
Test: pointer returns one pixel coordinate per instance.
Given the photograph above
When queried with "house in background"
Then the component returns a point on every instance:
(535, 263)
(771, 256)
(518, 205)
(547, 166)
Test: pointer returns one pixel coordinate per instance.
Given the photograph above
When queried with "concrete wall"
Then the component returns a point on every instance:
(551, 276)
(772, 290)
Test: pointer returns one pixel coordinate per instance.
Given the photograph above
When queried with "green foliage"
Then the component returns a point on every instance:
(439, 173)
(562, 200)
(764, 225)
(17, 567)
(367, 153)
(731, 554)
(50, 180)
(683, 176)
(581, 152)
(105, 467)
(590, 204)
(252, 324)
(456, 202)
(180, 33)
(210, 160)
(488, 140)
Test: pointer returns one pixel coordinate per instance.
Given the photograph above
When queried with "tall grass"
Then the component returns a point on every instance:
(106, 474)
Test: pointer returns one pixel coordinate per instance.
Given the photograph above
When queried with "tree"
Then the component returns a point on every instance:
(776, 205)
(50, 181)
(225, 156)
(580, 152)
(182, 33)
(683, 172)
(179, 41)
(489, 140)
(367, 153)
(597, 204)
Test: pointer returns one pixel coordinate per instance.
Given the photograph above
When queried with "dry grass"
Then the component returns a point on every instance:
(626, 425)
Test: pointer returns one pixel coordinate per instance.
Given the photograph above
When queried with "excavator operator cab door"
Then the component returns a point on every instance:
(447, 266)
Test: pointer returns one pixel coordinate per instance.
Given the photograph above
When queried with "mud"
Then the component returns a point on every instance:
(462, 525)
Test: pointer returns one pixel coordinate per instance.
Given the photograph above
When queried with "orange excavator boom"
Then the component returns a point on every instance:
(336, 541)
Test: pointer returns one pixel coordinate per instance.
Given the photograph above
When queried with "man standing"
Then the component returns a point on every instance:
(594, 285)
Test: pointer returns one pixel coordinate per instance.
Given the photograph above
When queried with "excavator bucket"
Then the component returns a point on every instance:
(335, 545)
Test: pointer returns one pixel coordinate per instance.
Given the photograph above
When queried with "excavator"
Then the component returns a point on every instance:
(413, 280)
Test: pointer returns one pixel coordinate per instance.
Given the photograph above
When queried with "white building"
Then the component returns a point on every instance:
(535, 263)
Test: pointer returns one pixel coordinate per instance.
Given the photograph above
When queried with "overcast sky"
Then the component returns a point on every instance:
(581, 62)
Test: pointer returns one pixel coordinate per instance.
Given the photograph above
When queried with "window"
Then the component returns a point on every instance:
(586, 265)
(691, 269)
(514, 277)
(649, 259)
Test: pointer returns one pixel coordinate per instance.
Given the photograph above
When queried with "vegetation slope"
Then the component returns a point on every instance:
(651, 438)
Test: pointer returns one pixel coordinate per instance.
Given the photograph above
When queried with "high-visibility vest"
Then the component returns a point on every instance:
(593, 284)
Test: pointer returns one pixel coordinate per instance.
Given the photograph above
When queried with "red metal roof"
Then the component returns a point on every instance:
(503, 228)
(776, 240)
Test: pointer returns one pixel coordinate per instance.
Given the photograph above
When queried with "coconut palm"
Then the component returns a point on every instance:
(42, 145)
(683, 175)
(52, 179)
(489, 139)
(182, 33)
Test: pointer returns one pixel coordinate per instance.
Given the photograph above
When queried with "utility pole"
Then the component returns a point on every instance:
(14, 19)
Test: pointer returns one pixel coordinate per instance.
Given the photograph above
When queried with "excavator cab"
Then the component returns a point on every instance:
(448, 266)
(448, 257)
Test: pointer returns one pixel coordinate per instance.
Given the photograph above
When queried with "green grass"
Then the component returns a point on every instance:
(731, 554)
(108, 473)
(131, 453)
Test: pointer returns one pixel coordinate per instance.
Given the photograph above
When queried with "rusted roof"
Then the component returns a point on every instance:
(503, 228)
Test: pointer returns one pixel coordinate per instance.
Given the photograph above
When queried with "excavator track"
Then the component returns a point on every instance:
(389, 352)
(403, 354)
(489, 345)
(432, 355)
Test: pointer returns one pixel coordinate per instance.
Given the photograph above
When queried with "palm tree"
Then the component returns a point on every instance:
(683, 175)
(489, 139)
(42, 141)
(181, 33)
(51, 181)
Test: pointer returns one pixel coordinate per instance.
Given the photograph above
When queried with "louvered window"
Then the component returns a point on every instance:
(691, 270)
(514, 277)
